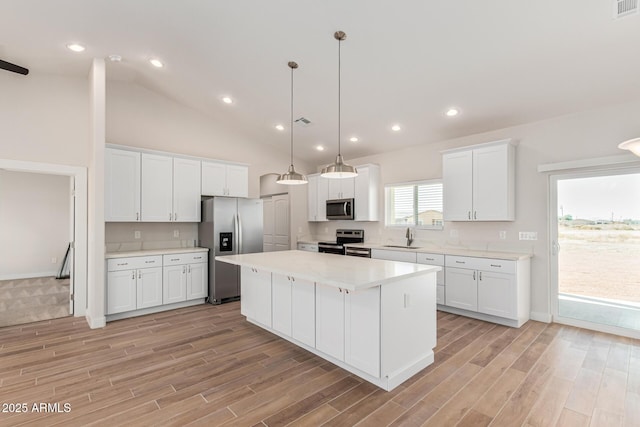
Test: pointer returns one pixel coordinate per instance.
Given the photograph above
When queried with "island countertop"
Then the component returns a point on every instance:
(346, 272)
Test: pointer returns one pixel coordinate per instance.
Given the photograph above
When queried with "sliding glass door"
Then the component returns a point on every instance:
(595, 262)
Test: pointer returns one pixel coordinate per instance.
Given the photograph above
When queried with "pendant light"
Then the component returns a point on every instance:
(292, 177)
(632, 145)
(339, 169)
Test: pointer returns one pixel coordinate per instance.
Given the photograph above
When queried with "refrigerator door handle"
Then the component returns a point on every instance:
(239, 235)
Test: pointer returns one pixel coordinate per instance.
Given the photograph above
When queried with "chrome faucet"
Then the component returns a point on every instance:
(409, 236)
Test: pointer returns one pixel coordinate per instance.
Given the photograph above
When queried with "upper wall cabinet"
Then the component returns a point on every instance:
(170, 189)
(479, 182)
(150, 187)
(364, 189)
(221, 179)
(122, 185)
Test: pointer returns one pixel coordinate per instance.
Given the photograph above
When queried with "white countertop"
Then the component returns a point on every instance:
(351, 273)
(511, 256)
(148, 252)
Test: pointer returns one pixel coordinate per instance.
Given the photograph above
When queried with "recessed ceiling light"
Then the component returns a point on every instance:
(395, 128)
(75, 47)
(115, 58)
(452, 112)
(319, 148)
(227, 100)
(279, 127)
(156, 63)
(354, 139)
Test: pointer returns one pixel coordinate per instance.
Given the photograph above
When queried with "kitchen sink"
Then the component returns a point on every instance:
(401, 247)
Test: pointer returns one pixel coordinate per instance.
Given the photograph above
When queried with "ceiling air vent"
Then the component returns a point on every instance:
(302, 121)
(622, 8)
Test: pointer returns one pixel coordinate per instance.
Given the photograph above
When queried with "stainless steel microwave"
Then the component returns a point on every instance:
(340, 209)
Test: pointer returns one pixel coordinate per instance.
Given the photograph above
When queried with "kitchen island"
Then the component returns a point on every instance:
(374, 318)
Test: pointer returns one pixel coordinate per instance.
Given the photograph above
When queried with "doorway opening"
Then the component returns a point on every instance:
(595, 248)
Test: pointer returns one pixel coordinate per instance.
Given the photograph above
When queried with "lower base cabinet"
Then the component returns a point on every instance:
(293, 308)
(255, 291)
(462, 288)
(143, 282)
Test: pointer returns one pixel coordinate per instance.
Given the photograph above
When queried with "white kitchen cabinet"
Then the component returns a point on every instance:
(293, 308)
(435, 259)
(461, 289)
(122, 185)
(255, 302)
(309, 247)
(303, 311)
(348, 326)
(497, 294)
(479, 182)
(341, 188)
(222, 179)
(362, 330)
(133, 283)
(330, 320)
(184, 277)
(186, 190)
(318, 193)
(391, 255)
(149, 287)
(366, 193)
(157, 188)
(121, 291)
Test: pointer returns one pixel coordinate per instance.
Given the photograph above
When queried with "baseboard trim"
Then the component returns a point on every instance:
(97, 323)
(541, 316)
(28, 275)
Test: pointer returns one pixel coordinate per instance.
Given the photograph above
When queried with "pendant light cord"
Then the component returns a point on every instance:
(292, 116)
(339, 75)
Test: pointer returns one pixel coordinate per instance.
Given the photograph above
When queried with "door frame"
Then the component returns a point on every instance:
(78, 233)
(602, 170)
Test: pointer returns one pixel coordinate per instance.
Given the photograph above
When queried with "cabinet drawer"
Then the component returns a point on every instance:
(133, 263)
(309, 247)
(431, 259)
(461, 262)
(393, 255)
(497, 265)
(189, 258)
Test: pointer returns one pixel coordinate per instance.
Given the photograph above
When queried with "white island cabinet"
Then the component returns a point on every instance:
(374, 318)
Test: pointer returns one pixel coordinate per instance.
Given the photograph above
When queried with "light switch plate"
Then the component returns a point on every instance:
(176, 233)
(136, 234)
(503, 235)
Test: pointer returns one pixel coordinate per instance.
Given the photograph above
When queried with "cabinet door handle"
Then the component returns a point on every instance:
(137, 216)
(474, 275)
(184, 269)
(169, 216)
(460, 262)
(175, 216)
(139, 274)
(189, 268)
(340, 289)
(480, 275)
(346, 291)
(475, 216)
(496, 265)
(469, 214)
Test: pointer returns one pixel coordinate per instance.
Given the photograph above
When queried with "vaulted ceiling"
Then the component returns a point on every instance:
(406, 62)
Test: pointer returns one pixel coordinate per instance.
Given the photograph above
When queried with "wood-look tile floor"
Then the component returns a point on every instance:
(207, 366)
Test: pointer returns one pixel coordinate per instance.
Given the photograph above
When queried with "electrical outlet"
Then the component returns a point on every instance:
(54, 260)
(528, 235)
(503, 235)
(136, 234)
(453, 234)
(176, 233)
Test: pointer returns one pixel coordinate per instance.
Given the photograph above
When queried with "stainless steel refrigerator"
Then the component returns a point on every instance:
(229, 226)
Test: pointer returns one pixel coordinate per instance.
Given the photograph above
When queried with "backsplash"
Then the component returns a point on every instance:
(121, 236)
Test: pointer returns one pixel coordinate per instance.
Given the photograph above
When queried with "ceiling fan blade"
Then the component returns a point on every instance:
(13, 67)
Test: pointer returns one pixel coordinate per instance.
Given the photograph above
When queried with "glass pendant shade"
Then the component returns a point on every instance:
(632, 145)
(292, 177)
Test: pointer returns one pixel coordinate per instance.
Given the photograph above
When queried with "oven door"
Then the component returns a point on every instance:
(340, 209)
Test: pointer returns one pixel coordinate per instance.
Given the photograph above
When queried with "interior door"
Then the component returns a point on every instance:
(268, 224)
(281, 222)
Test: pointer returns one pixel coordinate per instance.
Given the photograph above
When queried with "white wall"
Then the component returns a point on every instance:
(583, 135)
(44, 118)
(138, 117)
(34, 224)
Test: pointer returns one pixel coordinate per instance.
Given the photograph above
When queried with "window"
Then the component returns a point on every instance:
(414, 204)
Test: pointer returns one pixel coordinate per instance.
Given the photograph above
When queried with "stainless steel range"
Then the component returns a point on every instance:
(343, 237)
